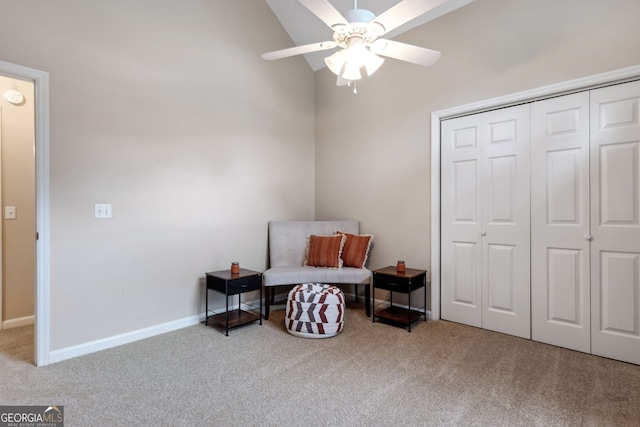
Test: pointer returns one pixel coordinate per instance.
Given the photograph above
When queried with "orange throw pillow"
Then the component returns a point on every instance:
(325, 251)
(356, 249)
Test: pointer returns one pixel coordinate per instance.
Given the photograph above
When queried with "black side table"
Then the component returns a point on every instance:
(225, 282)
(389, 279)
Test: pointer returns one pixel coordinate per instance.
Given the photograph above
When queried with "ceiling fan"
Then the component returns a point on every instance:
(358, 34)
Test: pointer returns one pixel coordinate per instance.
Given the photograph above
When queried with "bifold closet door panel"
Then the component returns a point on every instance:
(461, 257)
(506, 221)
(615, 222)
(560, 239)
(485, 245)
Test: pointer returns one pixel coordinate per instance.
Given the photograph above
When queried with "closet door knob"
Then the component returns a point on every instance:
(483, 233)
(588, 237)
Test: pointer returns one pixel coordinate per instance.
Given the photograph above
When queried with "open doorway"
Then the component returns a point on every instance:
(39, 83)
(18, 225)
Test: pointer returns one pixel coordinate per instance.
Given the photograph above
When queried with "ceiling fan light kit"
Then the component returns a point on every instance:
(349, 63)
(357, 34)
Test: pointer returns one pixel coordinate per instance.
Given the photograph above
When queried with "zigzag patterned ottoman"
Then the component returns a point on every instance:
(315, 311)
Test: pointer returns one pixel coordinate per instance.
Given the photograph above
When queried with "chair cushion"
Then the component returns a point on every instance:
(304, 274)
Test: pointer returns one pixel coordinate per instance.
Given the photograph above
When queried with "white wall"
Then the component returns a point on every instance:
(373, 149)
(165, 110)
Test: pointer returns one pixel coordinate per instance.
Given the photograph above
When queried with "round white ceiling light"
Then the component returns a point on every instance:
(14, 97)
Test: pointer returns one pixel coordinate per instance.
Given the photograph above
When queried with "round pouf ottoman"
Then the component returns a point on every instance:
(315, 311)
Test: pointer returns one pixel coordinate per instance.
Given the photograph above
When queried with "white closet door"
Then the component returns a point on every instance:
(506, 221)
(615, 222)
(485, 272)
(461, 257)
(560, 285)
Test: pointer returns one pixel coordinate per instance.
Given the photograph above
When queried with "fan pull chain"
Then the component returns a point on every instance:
(355, 88)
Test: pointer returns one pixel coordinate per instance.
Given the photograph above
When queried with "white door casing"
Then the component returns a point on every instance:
(560, 236)
(485, 220)
(41, 86)
(615, 222)
(1, 229)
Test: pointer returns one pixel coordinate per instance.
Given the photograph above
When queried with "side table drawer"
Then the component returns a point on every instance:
(236, 286)
(245, 284)
(390, 283)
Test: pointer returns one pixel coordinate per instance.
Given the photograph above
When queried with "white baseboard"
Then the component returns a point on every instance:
(20, 321)
(116, 340)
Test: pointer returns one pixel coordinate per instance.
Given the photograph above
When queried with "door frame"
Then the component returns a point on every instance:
(1, 228)
(40, 80)
(598, 80)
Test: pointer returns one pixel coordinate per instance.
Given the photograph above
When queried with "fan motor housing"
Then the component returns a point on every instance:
(359, 15)
(360, 25)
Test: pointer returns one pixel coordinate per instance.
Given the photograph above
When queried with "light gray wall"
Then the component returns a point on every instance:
(165, 110)
(18, 190)
(373, 149)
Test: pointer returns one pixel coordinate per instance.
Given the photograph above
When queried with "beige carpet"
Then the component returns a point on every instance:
(441, 374)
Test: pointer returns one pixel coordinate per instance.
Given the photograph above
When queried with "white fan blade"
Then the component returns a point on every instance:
(325, 11)
(298, 50)
(404, 12)
(405, 52)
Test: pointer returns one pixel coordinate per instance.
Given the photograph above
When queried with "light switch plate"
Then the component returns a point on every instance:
(103, 210)
(9, 212)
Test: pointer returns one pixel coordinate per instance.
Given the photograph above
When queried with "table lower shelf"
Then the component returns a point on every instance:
(236, 318)
(398, 315)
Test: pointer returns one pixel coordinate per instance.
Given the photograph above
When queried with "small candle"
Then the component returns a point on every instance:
(400, 266)
(235, 267)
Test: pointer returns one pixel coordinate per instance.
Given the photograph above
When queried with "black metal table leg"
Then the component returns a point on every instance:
(409, 311)
(226, 333)
(206, 305)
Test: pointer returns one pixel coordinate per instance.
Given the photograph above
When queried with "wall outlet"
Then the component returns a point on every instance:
(9, 212)
(103, 210)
